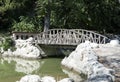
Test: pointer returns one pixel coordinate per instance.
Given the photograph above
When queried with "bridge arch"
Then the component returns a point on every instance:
(69, 37)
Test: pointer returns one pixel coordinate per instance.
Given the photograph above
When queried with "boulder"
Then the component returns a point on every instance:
(48, 79)
(66, 80)
(114, 42)
(85, 60)
(30, 78)
(24, 49)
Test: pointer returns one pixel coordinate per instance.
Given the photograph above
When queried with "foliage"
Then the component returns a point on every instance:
(11, 10)
(7, 44)
(26, 25)
(101, 15)
(23, 25)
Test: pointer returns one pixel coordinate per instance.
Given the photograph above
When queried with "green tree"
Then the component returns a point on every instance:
(104, 15)
(26, 25)
(61, 13)
(101, 15)
(11, 10)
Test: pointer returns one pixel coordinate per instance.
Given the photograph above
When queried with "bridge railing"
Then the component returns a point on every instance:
(63, 36)
(24, 35)
(69, 37)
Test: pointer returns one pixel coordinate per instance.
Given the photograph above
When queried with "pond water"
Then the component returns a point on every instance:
(12, 69)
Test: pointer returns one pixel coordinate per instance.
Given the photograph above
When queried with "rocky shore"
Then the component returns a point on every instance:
(100, 62)
(36, 78)
(24, 49)
(109, 56)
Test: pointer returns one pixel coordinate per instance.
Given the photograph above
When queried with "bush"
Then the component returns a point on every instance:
(8, 44)
(23, 25)
(26, 24)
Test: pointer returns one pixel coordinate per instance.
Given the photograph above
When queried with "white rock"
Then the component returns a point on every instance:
(25, 49)
(114, 42)
(94, 45)
(66, 80)
(48, 79)
(85, 60)
(87, 42)
(1, 50)
(30, 78)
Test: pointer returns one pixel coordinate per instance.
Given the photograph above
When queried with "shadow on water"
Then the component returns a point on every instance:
(55, 56)
(57, 50)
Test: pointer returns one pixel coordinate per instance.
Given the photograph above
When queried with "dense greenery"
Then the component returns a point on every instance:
(34, 15)
(7, 43)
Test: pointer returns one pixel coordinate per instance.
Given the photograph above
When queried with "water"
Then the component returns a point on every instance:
(12, 69)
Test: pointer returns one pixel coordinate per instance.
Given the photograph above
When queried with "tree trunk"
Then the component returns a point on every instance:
(47, 19)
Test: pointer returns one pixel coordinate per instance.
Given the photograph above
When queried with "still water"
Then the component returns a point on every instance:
(12, 69)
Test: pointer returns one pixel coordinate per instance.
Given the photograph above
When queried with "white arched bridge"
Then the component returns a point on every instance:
(62, 41)
(69, 37)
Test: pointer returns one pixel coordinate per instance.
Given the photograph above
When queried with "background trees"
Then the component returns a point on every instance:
(38, 15)
(103, 15)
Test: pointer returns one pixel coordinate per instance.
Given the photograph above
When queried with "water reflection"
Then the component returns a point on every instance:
(22, 65)
(74, 75)
(46, 66)
(12, 69)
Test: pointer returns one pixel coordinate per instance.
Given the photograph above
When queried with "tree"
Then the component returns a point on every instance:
(102, 16)
(11, 10)
(43, 9)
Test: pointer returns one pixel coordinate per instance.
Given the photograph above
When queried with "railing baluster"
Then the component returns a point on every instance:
(63, 36)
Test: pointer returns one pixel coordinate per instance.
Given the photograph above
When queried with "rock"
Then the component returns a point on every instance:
(30, 40)
(100, 78)
(85, 60)
(94, 45)
(7, 53)
(30, 78)
(24, 49)
(1, 50)
(48, 79)
(114, 42)
(36, 78)
(66, 80)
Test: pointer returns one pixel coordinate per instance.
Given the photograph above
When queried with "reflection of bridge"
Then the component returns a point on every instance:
(63, 37)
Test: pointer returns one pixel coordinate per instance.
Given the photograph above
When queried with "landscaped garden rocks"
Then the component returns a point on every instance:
(30, 78)
(24, 49)
(36, 78)
(86, 59)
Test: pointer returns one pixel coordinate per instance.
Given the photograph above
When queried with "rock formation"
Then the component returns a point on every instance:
(30, 78)
(85, 60)
(24, 49)
(36, 78)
